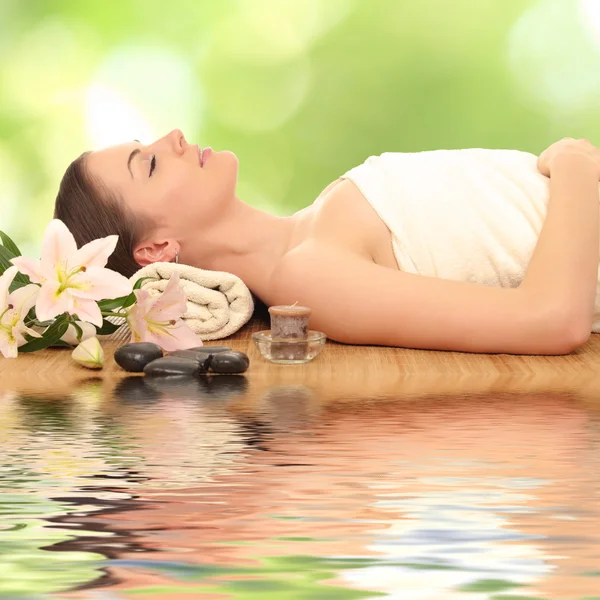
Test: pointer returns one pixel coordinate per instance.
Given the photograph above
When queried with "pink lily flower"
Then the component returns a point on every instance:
(159, 320)
(13, 309)
(72, 279)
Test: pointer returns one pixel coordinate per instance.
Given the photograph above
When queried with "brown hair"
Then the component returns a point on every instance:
(92, 211)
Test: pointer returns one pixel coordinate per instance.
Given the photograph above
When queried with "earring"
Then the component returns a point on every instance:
(176, 257)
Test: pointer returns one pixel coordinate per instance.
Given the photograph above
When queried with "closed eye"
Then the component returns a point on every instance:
(152, 165)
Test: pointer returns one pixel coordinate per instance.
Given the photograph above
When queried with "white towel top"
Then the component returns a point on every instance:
(467, 215)
(218, 303)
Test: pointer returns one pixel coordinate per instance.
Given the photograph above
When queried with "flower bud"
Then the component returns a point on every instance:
(89, 354)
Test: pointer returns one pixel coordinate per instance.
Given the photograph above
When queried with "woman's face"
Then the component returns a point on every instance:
(165, 182)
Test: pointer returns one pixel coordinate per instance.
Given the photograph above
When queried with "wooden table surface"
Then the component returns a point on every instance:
(342, 372)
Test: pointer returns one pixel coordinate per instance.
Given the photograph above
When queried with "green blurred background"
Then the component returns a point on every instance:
(300, 90)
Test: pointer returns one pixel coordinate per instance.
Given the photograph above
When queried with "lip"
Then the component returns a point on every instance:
(204, 155)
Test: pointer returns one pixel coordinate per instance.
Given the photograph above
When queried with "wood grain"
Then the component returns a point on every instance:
(341, 372)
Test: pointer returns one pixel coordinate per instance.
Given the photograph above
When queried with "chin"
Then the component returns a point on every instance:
(232, 166)
(230, 157)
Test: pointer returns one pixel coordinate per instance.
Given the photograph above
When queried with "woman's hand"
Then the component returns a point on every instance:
(569, 151)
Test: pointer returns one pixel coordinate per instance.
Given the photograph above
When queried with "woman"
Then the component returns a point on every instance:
(172, 201)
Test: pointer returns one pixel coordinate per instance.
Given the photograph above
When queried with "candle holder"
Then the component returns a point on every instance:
(289, 351)
(289, 341)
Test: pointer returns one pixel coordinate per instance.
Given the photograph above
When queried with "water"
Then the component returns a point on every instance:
(195, 491)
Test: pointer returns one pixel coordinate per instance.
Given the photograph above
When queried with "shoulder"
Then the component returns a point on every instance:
(319, 275)
(330, 187)
(307, 260)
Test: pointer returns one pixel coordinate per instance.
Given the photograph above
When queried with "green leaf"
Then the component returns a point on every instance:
(9, 244)
(78, 330)
(489, 585)
(49, 337)
(108, 328)
(5, 256)
(17, 283)
(130, 300)
(106, 305)
(30, 318)
(138, 283)
(39, 323)
(123, 301)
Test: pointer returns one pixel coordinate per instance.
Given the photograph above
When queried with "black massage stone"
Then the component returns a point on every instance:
(170, 366)
(203, 358)
(229, 362)
(210, 349)
(134, 357)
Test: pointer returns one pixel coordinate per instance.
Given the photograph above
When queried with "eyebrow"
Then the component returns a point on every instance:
(133, 153)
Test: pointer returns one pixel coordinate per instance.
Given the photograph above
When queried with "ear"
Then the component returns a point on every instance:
(151, 251)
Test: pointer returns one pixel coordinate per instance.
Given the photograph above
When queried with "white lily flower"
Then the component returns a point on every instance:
(158, 320)
(73, 279)
(13, 310)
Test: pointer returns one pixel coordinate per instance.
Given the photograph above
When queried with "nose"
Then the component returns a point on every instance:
(174, 140)
(177, 139)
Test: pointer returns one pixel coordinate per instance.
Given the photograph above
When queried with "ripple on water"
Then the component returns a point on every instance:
(167, 488)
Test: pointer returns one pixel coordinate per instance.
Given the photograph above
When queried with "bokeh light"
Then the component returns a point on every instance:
(141, 92)
(590, 15)
(263, 58)
(300, 91)
(553, 59)
(9, 176)
(47, 63)
(110, 119)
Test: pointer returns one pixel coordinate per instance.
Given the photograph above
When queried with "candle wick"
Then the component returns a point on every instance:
(294, 303)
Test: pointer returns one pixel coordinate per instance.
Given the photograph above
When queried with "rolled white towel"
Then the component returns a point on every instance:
(218, 303)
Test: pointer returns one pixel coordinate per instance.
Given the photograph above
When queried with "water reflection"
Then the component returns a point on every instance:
(218, 489)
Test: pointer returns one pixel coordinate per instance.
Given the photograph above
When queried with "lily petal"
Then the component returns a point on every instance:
(50, 304)
(24, 298)
(96, 252)
(177, 337)
(30, 331)
(137, 324)
(58, 245)
(87, 310)
(143, 301)
(171, 304)
(5, 280)
(100, 284)
(8, 347)
(18, 336)
(31, 267)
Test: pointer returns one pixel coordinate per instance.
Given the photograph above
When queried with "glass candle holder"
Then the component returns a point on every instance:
(289, 341)
(289, 351)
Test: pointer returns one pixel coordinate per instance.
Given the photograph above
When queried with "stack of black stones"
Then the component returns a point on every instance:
(203, 360)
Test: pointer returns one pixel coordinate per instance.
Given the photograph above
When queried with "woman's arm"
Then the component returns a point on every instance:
(356, 301)
(564, 266)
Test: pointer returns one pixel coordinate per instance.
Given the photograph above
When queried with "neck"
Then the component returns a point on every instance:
(247, 242)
